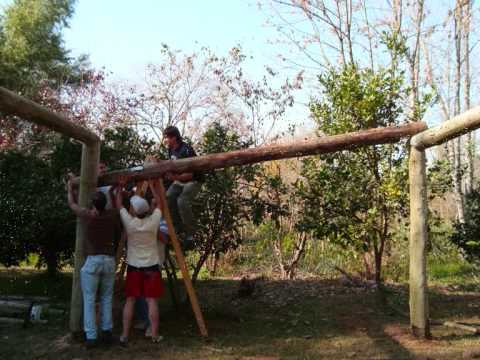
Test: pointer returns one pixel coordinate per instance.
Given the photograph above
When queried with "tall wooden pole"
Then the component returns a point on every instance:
(13, 104)
(181, 262)
(419, 311)
(88, 184)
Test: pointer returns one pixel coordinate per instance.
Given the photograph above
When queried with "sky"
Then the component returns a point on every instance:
(125, 35)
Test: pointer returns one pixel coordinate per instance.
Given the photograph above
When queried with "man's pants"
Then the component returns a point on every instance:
(97, 272)
(180, 201)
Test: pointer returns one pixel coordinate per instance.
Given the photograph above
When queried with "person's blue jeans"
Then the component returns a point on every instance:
(98, 272)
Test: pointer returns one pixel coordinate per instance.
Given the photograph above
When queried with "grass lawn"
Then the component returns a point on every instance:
(301, 319)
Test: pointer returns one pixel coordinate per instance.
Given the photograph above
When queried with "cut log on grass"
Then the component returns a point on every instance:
(11, 320)
(15, 304)
(452, 324)
(37, 299)
(299, 148)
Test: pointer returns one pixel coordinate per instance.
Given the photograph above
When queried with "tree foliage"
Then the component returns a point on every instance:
(353, 197)
(466, 235)
(34, 215)
(31, 45)
(223, 203)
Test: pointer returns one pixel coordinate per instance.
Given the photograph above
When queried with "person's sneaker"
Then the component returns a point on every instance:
(157, 339)
(91, 343)
(148, 332)
(123, 341)
(107, 337)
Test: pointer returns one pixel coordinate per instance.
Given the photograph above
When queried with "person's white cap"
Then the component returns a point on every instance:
(139, 204)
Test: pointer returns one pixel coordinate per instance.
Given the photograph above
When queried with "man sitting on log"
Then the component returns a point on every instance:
(98, 272)
(183, 187)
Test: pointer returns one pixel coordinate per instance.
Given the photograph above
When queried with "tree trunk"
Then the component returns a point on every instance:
(470, 138)
(457, 153)
(300, 245)
(378, 267)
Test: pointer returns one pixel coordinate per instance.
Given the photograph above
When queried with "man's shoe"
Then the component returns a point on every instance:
(123, 341)
(157, 339)
(148, 332)
(107, 337)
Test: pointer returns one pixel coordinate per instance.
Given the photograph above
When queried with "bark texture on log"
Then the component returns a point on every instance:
(13, 104)
(458, 125)
(419, 310)
(300, 148)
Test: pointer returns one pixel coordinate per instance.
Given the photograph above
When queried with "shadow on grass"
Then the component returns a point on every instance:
(299, 319)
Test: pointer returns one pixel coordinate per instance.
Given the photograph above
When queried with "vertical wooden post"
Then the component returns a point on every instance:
(419, 312)
(88, 184)
(181, 262)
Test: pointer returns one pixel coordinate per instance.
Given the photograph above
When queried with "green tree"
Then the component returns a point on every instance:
(32, 48)
(34, 216)
(466, 235)
(34, 60)
(223, 204)
(277, 208)
(353, 198)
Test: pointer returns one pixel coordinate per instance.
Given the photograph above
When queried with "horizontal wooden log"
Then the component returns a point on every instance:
(15, 304)
(9, 320)
(13, 104)
(459, 125)
(326, 144)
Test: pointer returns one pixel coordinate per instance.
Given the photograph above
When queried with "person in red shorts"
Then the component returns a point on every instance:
(143, 273)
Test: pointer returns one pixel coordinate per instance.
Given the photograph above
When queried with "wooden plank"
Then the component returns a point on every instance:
(13, 104)
(418, 240)
(181, 263)
(326, 144)
(459, 125)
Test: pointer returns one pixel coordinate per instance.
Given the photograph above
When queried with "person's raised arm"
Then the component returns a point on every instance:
(78, 210)
(155, 187)
(119, 196)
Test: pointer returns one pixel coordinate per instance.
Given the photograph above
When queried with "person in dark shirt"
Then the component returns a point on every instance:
(98, 272)
(183, 187)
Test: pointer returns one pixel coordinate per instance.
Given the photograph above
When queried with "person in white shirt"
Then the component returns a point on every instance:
(143, 273)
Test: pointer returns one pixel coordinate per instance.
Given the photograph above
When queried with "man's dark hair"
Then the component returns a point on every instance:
(99, 200)
(172, 131)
